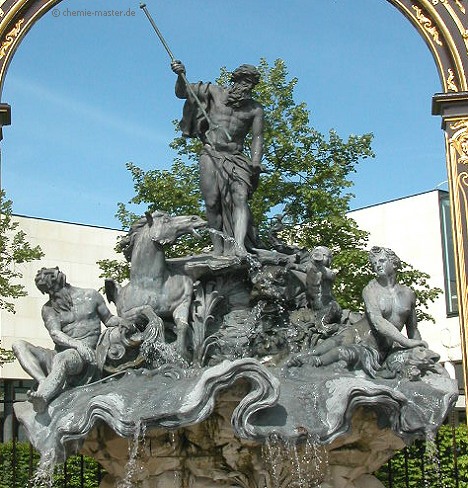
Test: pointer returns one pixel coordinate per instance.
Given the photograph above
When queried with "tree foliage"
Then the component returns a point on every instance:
(14, 250)
(306, 178)
(6, 356)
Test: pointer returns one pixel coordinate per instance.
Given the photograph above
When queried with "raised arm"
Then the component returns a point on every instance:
(180, 86)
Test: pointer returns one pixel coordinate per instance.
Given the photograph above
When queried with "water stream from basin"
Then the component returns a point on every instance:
(432, 462)
(44, 475)
(295, 463)
(131, 468)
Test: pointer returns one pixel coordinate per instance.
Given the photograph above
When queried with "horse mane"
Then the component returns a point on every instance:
(127, 242)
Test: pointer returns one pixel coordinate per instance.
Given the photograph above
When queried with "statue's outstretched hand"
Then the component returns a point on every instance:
(178, 67)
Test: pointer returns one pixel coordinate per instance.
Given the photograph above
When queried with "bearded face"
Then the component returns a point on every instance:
(53, 282)
(50, 280)
(239, 92)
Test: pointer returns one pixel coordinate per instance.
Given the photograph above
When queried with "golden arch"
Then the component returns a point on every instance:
(443, 24)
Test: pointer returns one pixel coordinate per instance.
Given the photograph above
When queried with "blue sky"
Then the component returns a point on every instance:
(89, 94)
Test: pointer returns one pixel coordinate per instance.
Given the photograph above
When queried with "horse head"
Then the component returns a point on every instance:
(165, 228)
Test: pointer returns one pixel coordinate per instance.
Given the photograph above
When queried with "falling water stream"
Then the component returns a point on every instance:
(241, 335)
(226, 238)
(131, 468)
(252, 261)
(295, 463)
(174, 441)
(159, 353)
(432, 461)
(44, 475)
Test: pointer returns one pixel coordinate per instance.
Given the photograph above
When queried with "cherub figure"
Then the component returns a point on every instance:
(319, 282)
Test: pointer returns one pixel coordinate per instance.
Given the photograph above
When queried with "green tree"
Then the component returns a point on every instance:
(306, 178)
(14, 250)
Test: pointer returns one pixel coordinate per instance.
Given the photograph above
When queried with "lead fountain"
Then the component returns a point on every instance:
(235, 368)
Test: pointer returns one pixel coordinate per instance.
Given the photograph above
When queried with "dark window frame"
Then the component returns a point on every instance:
(448, 255)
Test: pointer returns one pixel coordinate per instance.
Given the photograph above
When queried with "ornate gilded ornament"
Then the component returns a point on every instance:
(460, 6)
(460, 209)
(10, 38)
(427, 25)
(450, 81)
(458, 3)
(459, 141)
(2, 12)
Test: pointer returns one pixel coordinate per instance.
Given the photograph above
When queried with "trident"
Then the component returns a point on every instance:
(192, 94)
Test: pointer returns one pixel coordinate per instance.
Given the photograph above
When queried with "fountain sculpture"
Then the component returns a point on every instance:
(236, 368)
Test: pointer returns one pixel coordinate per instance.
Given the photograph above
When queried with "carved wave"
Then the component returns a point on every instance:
(155, 400)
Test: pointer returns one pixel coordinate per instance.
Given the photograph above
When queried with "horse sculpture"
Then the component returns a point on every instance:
(153, 284)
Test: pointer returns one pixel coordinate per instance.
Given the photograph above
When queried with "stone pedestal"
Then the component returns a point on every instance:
(209, 455)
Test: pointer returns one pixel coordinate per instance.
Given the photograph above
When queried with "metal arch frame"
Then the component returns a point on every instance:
(443, 24)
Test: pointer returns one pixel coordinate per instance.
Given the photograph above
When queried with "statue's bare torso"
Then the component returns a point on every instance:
(226, 119)
(73, 319)
(82, 322)
(394, 304)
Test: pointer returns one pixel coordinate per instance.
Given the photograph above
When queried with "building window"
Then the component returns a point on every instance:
(451, 298)
(459, 375)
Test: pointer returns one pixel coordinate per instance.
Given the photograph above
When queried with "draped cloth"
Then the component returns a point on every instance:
(194, 123)
(231, 171)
